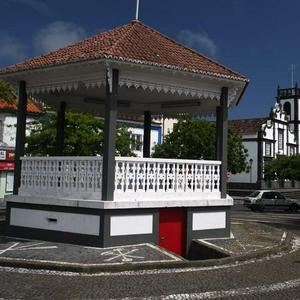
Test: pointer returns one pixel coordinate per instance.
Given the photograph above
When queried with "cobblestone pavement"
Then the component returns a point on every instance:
(248, 238)
(32, 250)
(262, 279)
(275, 277)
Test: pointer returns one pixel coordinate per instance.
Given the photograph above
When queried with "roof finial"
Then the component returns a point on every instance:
(137, 9)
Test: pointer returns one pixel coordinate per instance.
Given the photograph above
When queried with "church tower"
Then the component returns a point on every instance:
(290, 101)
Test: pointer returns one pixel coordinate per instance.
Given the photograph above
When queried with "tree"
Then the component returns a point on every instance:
(195, 139)
(6, 92)
(83, 136)
(283, 167)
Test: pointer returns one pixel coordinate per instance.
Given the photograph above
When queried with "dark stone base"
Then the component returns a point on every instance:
(105, 239)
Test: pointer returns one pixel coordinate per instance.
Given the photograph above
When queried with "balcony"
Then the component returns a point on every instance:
(288, 93)
(136, 179)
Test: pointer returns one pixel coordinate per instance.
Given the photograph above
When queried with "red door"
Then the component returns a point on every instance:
(172, 228)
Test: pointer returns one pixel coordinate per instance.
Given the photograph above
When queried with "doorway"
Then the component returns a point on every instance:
(172, 229)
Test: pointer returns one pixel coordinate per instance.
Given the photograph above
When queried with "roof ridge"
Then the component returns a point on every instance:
(114, 46)
(190, 49)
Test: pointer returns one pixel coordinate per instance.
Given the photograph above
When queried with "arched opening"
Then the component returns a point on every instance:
(287, 108)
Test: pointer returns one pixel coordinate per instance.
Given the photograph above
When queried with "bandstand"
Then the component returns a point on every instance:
(110, 200)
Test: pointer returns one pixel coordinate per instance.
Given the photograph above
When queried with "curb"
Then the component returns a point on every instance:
(284, 246)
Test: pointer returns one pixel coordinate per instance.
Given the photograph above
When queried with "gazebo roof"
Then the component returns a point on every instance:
(136, 43)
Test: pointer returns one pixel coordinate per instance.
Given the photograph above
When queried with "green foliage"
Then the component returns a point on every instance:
(83, 136)
(192, 139)
(6, 92)
(283, 167)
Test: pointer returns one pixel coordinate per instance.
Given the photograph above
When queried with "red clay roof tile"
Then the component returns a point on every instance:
(247, 126)
(133, 42)
(31, 106)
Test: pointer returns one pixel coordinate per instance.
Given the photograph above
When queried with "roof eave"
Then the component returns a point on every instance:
(242, 93)
(108, 58)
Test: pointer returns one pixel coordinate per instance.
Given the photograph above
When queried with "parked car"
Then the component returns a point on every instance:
(267, 199)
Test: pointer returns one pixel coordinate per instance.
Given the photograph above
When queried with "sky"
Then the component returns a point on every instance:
(258, 38)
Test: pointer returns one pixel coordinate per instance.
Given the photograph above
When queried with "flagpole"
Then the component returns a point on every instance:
(137, 9)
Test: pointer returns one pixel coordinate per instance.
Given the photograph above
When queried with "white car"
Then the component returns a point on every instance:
(267, 199)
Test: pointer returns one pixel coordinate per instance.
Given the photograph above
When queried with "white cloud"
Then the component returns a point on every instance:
(200, 41)
(11, 49)
(39, 6)
(57, 35)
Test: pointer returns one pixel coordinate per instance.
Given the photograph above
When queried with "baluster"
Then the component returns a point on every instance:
(210, 178)
(141, 177)
(160, 176)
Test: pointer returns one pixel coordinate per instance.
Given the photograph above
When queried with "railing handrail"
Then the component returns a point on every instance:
(168, 160)
(61, 158)
(135, 178)
(122, 158)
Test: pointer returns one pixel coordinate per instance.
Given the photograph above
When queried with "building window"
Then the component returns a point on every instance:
(9, 182)
(137, 143)
(287, 109)
(268, 149)
(280, 139)
(292, 150)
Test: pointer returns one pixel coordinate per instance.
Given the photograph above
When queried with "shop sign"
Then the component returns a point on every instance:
(2, 154)
(10, 155)
(7, 166)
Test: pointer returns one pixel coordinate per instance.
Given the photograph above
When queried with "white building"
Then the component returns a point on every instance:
(136, 127)
(8, 121)
(266, 138)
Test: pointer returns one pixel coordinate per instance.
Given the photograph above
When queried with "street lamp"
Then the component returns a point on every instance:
(251, 162)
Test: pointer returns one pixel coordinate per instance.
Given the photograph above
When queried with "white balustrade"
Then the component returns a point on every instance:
(136, 179)
(166, 179)
(61, 176)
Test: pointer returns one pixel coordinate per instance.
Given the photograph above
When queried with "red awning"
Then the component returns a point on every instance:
(7, 166)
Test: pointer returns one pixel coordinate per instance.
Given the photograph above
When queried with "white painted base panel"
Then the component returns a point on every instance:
(209, 220)
(58, 221)
(130, 225)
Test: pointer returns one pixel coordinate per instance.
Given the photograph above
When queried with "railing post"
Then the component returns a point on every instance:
(110, 127)
(20, 135)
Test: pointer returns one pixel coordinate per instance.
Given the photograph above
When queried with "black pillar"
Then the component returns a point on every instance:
(218, 132)
(147, 134)
(60, 129)
(20, 135)
(223, 134)
(110, 127)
